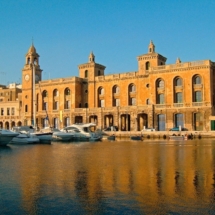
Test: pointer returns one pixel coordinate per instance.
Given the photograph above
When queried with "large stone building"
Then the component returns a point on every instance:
(157, 95)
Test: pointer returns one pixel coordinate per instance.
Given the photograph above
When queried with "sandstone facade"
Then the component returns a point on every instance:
(157, 95)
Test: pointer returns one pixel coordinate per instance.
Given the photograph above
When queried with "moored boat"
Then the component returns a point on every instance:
(61, 135)
(177, 138)
(24, 139)
(83, 132)
(6, 136)
(111, 137)
(136, 137)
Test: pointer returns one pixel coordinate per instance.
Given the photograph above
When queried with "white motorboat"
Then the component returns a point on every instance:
(6, 136)
(25, 139)
(83, 132)
(44, 136)
(62, 135)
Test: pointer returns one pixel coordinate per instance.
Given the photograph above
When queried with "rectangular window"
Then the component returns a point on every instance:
(55, 106)
(133, 101)
(161, 99)
(8, 111)
(67, 104)
(198, 96)
(45, 106)
(179, 98)
(2, 111)
(102, 102)
(12, 111)
(26, 108)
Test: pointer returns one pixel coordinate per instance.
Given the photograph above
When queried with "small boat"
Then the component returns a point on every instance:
(25, 139)
(136, 137)
(6, 136)
(112, 137)
(177, 138)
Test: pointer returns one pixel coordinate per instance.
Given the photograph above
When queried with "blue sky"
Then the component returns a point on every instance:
(64, 33)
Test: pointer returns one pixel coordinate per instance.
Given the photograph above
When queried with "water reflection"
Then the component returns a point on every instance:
(150, 177)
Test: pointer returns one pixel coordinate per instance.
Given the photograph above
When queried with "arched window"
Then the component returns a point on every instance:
(147, 65)
(86, 74)
(178, 90)
(115, 96)
(55, 93)
(101, 93)
(132, 88)
(132, 94)
(197, 89)
(45, 94)
(44, 100)
(178, 82)
(160, 99)
(148, 101)
(197, 96)
(67, 92)
(160, 83)
(86, 105)
(197, 79)
(160, 90)
(67, 99)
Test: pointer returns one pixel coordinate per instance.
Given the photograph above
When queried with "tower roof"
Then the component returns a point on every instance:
(32, 51)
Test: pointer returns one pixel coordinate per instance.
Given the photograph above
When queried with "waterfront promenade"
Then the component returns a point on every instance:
(159, 134)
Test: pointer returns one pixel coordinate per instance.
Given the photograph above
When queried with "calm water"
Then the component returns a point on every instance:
(121, 177)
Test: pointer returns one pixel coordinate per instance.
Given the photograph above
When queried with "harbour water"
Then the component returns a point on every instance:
(120, 177)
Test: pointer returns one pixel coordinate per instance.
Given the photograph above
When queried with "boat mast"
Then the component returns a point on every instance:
(34, 102)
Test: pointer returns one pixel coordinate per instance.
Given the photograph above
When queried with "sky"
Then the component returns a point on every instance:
(64, 32)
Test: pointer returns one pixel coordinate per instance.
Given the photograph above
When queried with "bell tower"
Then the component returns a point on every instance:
(31, 67)
(152, 59)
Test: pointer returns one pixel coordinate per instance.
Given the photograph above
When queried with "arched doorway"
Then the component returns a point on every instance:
(19, 123)
(93, 119)
(7, 125)
(125, 122)
(161, 122)
(108, 120)
(179, 120)
(198, 121)
(12, 124)
(1, 124)
(142, 120)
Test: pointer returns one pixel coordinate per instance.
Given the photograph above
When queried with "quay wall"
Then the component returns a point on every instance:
(159, 134)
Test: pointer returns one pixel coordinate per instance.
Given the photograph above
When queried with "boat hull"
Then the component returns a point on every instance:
(61, 136)
(6, 136)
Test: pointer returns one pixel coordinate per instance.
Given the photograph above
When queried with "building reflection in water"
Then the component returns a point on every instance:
(147, 177)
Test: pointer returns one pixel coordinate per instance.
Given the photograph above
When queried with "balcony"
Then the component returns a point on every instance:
(197, 104)
(178, 105)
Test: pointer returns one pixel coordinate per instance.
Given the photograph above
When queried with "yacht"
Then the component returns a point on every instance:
(58, 135)
(25, 139)
(44, 136)
(6, 136)
(83, 132)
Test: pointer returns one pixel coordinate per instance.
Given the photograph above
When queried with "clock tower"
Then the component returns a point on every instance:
(31, 67)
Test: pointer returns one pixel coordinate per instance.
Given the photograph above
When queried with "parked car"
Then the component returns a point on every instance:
(111, 128)
(177, 129)
(148, 129)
